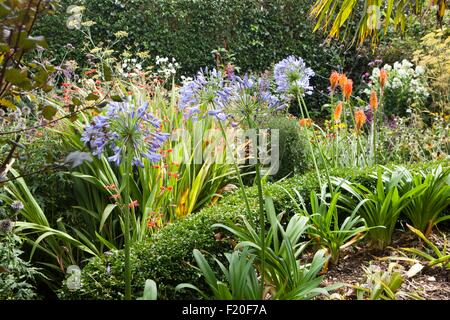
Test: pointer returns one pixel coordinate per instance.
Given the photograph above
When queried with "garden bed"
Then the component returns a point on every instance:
(429, 284)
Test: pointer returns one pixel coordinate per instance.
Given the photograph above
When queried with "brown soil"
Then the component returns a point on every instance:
(429, 283)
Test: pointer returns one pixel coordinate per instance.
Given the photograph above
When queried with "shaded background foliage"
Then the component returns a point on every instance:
(257, 32)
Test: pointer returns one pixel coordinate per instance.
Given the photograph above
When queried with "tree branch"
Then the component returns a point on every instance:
(9, 156)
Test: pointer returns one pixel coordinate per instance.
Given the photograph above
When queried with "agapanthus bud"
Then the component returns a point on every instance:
(17, 205)
(6, 226)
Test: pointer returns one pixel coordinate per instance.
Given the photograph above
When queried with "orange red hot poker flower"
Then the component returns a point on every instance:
(373, 100)
(360, 119)
(338, 112)
(305, 122)
(334, 80)
(342, 80)
(348, 88)
(383, 78)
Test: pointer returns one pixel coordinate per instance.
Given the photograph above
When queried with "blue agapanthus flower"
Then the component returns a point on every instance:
(227, 97)
(207, 93)
(292, 76)
(257, 91)
(125, 127)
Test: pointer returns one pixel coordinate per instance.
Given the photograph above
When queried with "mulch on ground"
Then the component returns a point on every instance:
(429, 283)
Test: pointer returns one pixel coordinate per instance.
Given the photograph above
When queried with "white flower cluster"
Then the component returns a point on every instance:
(402, 78)
(130, 67)
(166, 68)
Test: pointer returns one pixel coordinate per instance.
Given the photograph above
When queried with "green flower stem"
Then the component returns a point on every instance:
(309, 142)
(236, 168)
(260, 197)
(261, 200)
(320, 150)
(380, 118)
(126, 212)
(358, 141)
(374, 135)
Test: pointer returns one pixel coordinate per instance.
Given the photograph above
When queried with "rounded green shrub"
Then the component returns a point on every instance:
(167, 256)
(292, 147)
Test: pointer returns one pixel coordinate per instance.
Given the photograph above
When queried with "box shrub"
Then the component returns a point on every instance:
(166, 256)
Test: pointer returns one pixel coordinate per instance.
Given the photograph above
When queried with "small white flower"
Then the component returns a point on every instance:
(387, 67)
(406, 63)
(420, 70)
(376, 72)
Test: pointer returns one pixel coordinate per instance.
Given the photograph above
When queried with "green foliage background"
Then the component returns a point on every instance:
(258, 33)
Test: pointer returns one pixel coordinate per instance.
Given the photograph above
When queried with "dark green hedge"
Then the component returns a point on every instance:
(165, 257)
(258, 32)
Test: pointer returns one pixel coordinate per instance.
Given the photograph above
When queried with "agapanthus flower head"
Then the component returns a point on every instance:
(126, 127)
(250, 90)
(208, 89)
(292, 76)
(337, 112)
(334, 80)
(373, 100)
(360, 119)
(348, 88)
(6, 226)
(17, 205)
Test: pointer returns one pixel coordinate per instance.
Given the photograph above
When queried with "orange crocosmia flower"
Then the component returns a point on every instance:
(115, 196)
(342, 80)
(173, 174)
(89, 72)
(111, 187)
(383, 78)
(169, 188)
(133, 204)
(337, 112)
(305, 122)
(150, 223)
(360, 119)
(373, 100)
(334, 79)
(348, 88)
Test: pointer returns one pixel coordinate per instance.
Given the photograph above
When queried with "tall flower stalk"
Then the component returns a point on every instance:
(292, 78)
(131, 134)
(234, 101)
(374, 107)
